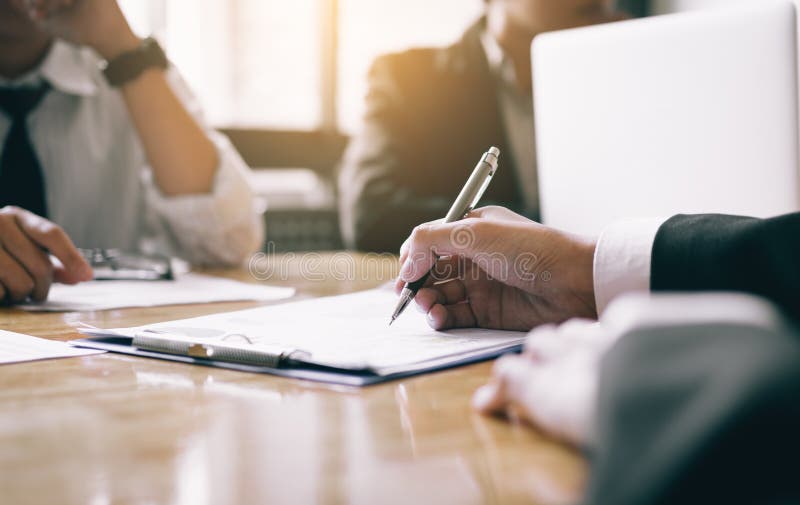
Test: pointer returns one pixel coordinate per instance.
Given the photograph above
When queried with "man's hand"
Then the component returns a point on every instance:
(26, 268)
(99, 24)
(497, 269)
(553, 384)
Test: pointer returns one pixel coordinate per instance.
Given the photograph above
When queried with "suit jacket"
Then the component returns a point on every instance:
(699, 414)
(431, 113)
(707, 414)
(729, 253)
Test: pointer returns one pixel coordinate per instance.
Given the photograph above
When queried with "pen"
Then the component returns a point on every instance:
(470, 194)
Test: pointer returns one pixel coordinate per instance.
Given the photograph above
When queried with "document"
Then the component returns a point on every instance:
(349, 332)
(187, 288)
(15, 347)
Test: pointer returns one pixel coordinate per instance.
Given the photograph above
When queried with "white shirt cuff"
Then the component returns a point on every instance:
(222, 227)
(219, 228)
(622, 259)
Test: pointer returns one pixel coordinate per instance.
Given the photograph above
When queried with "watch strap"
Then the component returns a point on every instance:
(131, 64)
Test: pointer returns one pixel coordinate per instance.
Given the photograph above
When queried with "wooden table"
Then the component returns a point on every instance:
(118, 429)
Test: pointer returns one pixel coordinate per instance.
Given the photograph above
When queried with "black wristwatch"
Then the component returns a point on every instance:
(130, 65)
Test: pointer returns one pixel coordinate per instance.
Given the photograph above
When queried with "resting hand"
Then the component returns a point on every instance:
(553, 384)
(26, 269)
(497, 269)
(99, 24)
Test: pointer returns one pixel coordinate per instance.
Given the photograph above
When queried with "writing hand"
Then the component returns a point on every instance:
(497, 269)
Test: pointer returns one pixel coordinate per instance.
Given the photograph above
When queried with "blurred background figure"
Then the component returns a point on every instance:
(431, 113)
(121, 162)
(292, 131)
(114, 158)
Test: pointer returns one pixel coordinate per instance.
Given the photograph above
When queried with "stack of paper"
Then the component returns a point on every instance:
(186, 289)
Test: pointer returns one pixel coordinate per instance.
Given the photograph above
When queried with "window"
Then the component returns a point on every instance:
(368, 28)
(251, 62)
(274, 64)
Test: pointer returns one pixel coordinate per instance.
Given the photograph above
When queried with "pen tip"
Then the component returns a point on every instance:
(392, 321)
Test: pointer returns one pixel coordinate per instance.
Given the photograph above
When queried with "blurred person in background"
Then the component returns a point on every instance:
(103, 145)
(431, 112)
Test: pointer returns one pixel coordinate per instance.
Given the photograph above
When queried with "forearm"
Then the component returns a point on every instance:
(182, 157)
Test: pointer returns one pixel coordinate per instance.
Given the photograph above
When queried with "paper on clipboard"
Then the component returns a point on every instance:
(348, 332)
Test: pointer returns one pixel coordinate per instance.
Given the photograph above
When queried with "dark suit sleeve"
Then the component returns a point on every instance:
(698, 414)
(379, 204)
(728, 253)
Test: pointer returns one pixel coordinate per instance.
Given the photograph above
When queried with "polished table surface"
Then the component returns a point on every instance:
(119, 429)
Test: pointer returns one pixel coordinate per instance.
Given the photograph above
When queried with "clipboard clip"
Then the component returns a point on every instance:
(219, 350)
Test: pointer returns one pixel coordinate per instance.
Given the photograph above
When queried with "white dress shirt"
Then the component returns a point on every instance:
(99, 187)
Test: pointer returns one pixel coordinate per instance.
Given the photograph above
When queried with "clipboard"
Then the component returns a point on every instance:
(341, 340)
(310, 372)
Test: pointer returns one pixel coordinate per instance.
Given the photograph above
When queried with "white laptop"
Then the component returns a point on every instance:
(686, 113)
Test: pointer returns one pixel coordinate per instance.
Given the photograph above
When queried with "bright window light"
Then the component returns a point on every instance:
(258, 63)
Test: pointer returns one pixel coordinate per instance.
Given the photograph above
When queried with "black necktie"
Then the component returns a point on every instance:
(21, 179)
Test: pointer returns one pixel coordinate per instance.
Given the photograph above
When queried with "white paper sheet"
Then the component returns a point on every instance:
(350, 331)
(15, 347)
(188, 288)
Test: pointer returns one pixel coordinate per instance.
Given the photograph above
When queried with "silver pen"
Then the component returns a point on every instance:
(469, 197)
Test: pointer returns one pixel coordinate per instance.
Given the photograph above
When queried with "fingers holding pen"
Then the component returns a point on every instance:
(446, 268)
(444, 293)
(501, 247)
(430, 242)
(445, 302)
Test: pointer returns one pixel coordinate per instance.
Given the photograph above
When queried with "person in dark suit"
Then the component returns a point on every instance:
(699, 413)
(719, 402)
(432, 112)
(686, 413)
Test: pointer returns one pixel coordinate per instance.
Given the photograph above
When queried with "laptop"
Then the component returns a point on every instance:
(687, 113)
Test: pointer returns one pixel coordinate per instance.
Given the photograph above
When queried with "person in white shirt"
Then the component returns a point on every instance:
(130, 165)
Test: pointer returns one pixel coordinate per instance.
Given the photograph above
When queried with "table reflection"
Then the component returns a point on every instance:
(128, 430)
